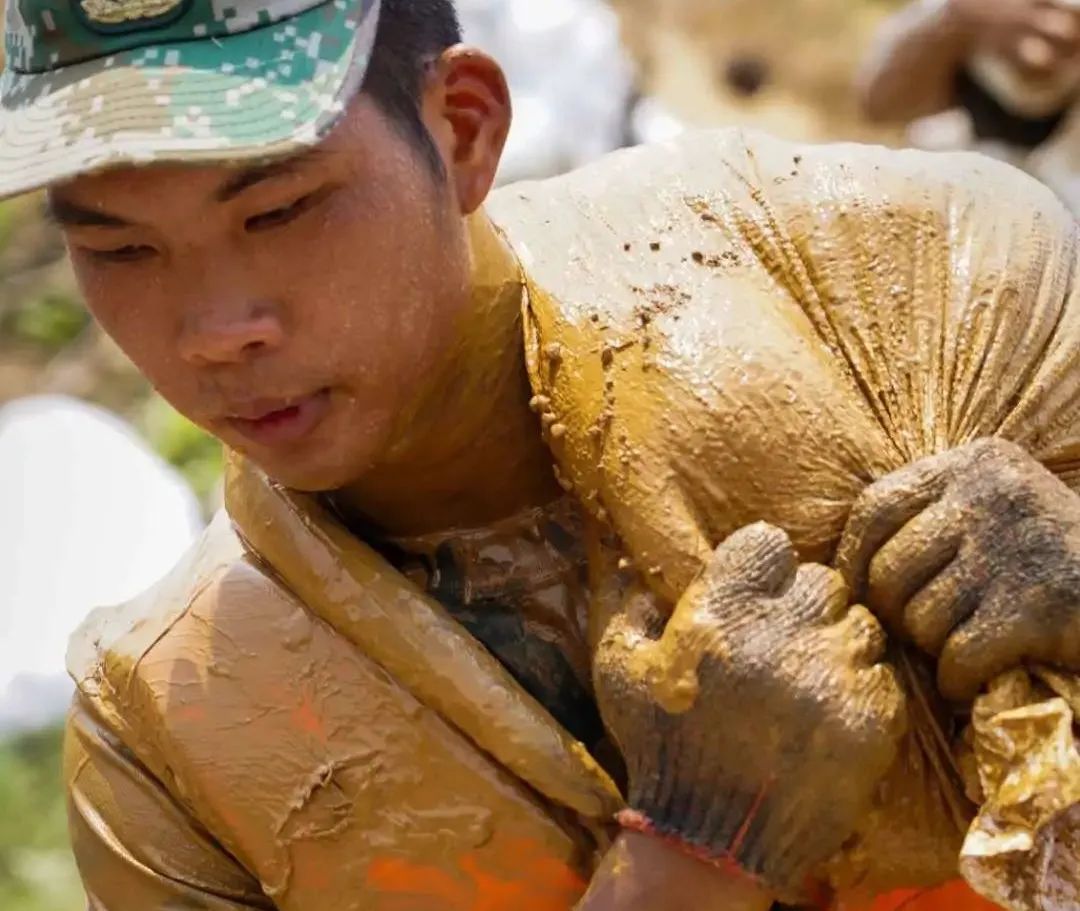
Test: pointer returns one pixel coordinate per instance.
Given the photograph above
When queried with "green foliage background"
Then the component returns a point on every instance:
(36, 869)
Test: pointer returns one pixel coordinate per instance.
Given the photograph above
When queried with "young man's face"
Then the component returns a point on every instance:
(291, 311)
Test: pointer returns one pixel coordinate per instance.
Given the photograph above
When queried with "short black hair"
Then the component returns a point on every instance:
(411, 33)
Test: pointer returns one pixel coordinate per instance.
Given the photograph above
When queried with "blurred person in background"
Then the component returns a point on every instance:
(999, 76)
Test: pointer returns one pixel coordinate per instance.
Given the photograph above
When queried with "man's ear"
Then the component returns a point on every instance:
(467, 109)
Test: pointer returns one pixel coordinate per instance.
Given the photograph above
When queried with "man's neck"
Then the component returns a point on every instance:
(470, 451)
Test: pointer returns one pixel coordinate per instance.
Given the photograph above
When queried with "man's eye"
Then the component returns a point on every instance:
(278, 217)
(129, 253)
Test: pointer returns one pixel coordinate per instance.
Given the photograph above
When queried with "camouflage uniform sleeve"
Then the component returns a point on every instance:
(136, 847)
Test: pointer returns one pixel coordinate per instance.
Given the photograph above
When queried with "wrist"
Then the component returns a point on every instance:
(656, 874)
(700, 857)
(639, 825)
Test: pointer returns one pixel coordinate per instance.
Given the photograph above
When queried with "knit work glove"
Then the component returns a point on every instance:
(757, 723)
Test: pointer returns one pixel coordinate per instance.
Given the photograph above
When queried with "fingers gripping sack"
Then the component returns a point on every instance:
(973, 555)
(757, 726)
(828, 316)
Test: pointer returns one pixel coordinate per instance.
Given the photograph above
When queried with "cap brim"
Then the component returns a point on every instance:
(262, 94)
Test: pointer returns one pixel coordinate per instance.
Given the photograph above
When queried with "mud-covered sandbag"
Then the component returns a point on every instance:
(753, 330)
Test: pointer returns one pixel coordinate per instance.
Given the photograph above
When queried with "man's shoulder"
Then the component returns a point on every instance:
(118, 649)
(300, 753)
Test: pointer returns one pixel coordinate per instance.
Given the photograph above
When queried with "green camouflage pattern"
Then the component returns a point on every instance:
(43, 35)
(92, 84)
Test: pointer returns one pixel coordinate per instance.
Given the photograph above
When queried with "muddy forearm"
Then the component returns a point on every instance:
(643, 874)
(912, 69)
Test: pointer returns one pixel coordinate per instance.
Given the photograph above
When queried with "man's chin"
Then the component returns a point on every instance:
(314, 471)
(325, 461)
(307, 478)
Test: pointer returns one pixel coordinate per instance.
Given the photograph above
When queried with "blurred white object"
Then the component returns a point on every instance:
(652, 122)
(572, 81)
(89, 516)
(947, 131)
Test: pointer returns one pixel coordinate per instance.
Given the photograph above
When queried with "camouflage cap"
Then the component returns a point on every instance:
(91, 84)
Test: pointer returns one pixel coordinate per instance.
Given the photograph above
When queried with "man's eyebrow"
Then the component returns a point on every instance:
(69, 214)
(250, 177)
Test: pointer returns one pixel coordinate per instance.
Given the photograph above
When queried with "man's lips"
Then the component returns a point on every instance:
(277, 422)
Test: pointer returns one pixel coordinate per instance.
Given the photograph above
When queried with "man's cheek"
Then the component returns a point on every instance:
(176, 386)
(132, 339)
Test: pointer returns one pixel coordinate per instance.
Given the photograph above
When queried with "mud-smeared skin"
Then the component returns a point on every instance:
(760, 331)
(519, 586)
(974, 555)
(643, 871)
(414, 638)
(758, 725)
(237, 736)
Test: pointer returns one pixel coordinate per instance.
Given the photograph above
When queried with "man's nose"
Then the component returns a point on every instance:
(230, 337)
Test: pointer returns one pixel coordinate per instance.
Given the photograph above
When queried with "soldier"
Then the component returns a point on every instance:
(374, 683)
(1009, 68)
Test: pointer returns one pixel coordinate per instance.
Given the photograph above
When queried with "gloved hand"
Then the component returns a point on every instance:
(756, 727)
(975, 556)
